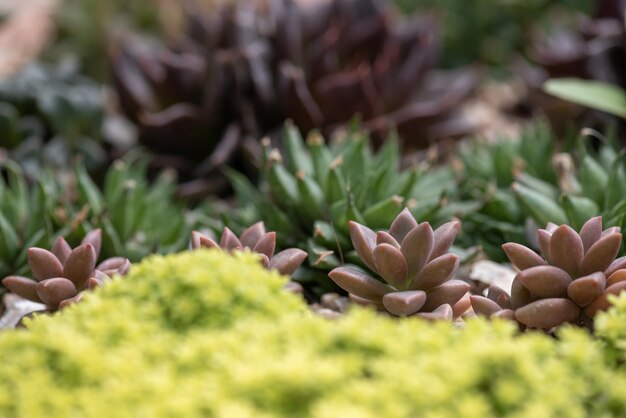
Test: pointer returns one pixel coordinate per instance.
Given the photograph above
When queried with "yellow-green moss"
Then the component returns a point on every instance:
(210, 335)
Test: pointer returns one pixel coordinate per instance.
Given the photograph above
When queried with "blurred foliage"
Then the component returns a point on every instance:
(490, 31)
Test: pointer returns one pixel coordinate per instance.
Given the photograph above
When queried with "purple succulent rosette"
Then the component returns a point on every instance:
(414, 266)
(63, 274)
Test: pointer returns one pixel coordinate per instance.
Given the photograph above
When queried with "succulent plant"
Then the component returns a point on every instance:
(414, 264)
(310, 192)
(49, 114)
(572, 280)
(239, 72)
(256, 239)
(497, 304)
(63, 274)
(342, 58)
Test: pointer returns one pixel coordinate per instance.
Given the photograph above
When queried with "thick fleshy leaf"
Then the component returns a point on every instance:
(390, 264)
(618, 276)
(602, 302)
(543, 237)
(383, 237)
(378, 304)
(404, 303)
(95, 239)
(199, 240)
(112, 263)
(435, 272)
(586, 289)
(591, 232)
(288, 261)
(522, 257)
(611, 230)
(402, 225)
(364, 241)
(441, 313)
(417, 247)
(507, 314)
(23, 287)
(444, 237)
(266, 244)
(545, 281)
(520, 296)
(566, 249)
(462, 306)
(448, 293)
(499, 296)
(484, 306)
(250, 236)
(80, 265)
(601, 254)
(359, 284)
(67, 302)
(61, 249)
(618, 264)
(53, 291)
(229, 240)
(547, 313)
(44, 264)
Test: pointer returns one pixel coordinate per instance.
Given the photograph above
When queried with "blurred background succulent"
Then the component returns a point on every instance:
(414, 264)
(62, 274)
(309, 193)
(50, 115)
(237, 73)
(572, 280)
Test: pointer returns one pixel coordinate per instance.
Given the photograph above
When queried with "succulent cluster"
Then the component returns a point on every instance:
(51, 114)
(414, 264)
(256, 239)
(573, 279)
(237, 73)
(313, 189)
(63, 274)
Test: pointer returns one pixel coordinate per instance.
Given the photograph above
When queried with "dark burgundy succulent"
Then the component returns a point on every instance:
(238, 73)
(344, 58)
(63, 274)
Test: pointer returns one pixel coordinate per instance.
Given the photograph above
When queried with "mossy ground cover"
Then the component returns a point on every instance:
(204, 334)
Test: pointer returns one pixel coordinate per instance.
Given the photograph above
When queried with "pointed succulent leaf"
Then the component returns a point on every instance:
(585, 290)
(404, 303)
(383, 237)
(251, 235)
(448, 293)
(543, 237)
(229, 240)
(611, 230)
(435, 272)
(359, 284)
(591, 232)
(545, 281)
(618, 264)
(444, 237)
(547, 313)
(266, 244)
(67, 302)
(44, 264)
(402, 225)
(507, 314)
(80, 265)
(288, 261)
(566, 250)
(499, 296)
(390, 264)
(265, 261)
(602, 303)
(520, 296)
(618, 276)
(95, 239)
(61, 249)
(441, 313)
(112, 263)
(417, 247)
(199, 240)
(462, 306)
(522, 257)
(53, 291)
(601, 254)
(364, 241)
(484, 306)
(23, 287)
